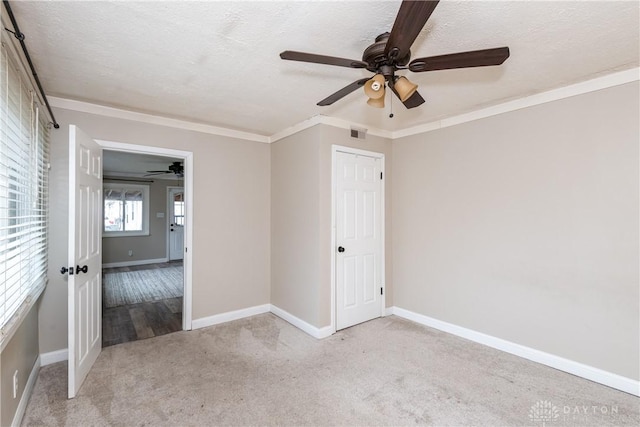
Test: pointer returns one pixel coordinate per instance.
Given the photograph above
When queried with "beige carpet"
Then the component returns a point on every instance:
(263, 371)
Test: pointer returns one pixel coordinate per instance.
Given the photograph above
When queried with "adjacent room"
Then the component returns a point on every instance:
(320, 213)
(142, 246)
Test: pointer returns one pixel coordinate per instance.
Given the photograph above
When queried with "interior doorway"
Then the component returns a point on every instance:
(146, 292)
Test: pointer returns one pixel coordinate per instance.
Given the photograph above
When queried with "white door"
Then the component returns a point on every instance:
(358, 205)
(176, 223)
(85, 258)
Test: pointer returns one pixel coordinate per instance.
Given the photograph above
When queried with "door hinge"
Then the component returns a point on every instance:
(381, 291)
(380, 175)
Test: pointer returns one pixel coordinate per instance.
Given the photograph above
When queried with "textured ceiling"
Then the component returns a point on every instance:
(217, 62)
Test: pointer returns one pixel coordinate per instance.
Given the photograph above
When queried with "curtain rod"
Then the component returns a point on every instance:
(20, 36)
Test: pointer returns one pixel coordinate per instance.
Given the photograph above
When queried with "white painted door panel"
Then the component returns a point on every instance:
(358, 239)
(85, 247)
(176, 223)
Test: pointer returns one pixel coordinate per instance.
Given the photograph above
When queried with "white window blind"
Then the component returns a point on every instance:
(24, 160)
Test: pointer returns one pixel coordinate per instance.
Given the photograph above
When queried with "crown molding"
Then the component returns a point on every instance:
(118, 113)
(598, 83)
(345, 124)
(298, 127)
(329, 121)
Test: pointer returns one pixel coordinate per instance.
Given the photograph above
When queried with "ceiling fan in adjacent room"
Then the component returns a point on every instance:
(174, 168)
(390, 53)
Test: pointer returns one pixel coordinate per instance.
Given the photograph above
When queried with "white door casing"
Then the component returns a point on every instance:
(187, 157)
(358, 238)
(176, 225)
(85, 249)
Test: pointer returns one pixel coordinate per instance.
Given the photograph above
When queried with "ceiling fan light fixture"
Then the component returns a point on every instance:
(404, 88)
(374, 88)
(376, 102)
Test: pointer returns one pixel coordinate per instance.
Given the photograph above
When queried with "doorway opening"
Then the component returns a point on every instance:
(145, 290)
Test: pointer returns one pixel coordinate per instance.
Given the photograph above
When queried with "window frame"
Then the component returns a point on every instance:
(24, 209)
(145, 209)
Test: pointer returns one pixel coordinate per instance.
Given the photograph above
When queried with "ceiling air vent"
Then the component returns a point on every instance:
(358, 133)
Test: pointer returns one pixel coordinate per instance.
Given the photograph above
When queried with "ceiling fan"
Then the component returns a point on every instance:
(174, 168)
(390, 53)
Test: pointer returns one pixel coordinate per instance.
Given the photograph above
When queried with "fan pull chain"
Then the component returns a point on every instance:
(391, 106)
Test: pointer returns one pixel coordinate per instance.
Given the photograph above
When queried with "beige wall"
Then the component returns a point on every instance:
(53, 302)
(20, 354)
(301, 220)
(295, 225)
(153, 246)
(231, 246)
(331, 135)
(524, 226)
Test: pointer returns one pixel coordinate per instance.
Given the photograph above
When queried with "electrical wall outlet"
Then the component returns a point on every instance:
(130, 252)
(15, 384)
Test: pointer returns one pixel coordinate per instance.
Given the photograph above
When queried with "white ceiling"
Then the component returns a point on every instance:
(217, 62)
(118, 164)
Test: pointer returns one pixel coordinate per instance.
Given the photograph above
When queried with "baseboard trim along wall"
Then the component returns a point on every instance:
(138, 262)
(26, 394)
(260, 309)
(54, 357)
(315, 332)
(609, 379)
(216, 319)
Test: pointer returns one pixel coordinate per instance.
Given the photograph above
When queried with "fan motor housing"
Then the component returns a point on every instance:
(375, 57)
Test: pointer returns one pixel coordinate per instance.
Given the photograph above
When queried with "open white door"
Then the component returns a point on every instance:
(176, 223)
(85, 256)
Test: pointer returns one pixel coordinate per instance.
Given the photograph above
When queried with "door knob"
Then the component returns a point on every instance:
(64, 270)
(340, 249)
(79, 269)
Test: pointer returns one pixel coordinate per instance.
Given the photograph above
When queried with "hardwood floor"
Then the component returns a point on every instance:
(144, 320)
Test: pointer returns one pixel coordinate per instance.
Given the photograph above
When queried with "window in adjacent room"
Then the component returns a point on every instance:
(178, 209)
(126, 210)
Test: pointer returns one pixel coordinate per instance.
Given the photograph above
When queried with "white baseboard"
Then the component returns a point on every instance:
(54, 357)
(203, 322)
(138, 262)
(388, 311)
(260, 309)
(26, 394)
(609, 379)
(318, 333)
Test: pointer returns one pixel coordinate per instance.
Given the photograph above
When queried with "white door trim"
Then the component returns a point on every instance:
(187, 157)
(342, 149)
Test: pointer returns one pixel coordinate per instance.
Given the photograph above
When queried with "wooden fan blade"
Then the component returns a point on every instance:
(322, 59)
(409, 22)
(413, 101)
(475, 58)
(342, 92)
